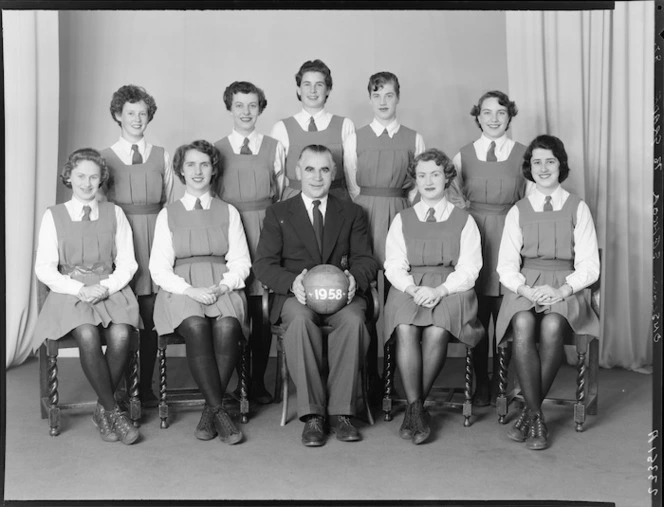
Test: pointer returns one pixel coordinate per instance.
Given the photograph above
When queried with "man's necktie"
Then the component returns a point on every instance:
(312, 125)
(245, 150)
(491, 153)
(430, 217)
(86, 213)
(547, 204)
(136, 157)
(318, 225)
(197, 204)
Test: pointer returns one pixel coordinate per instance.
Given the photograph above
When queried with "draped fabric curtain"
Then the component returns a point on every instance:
(31, 81)
(587, 77)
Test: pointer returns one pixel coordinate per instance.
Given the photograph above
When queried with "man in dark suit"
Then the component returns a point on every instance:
(304, 231)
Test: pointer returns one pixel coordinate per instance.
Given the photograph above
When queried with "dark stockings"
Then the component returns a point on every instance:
(260, 341)
(148, 342)
(212, 351)
(487, 306)
(535, 369)
(103, 371)
(419, 365)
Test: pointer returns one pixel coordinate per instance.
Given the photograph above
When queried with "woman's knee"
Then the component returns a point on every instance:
(553, 327)
(523, 327)
(87, 335)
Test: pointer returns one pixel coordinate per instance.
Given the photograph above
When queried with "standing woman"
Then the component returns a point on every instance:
(85, 256)
(548, 256)
(200, 260)
(489, 182)
(253, 179)
(141, 183)
(433, 255)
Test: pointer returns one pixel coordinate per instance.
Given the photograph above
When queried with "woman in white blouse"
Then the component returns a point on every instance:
(548, 256)
(200, 261)
(85, 256)
(433, 257)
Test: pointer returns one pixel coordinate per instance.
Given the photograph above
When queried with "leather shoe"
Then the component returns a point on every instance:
(101, 421)
(345, 430)
(405, 431)
(260, 394)
(538, 433)
(226, 429)
(519, 431)
(482, 395)
(205, 429)
(313, 434)
(419, 423)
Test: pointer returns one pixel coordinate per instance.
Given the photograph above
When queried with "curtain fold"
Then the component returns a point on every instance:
(31, 81)
(588, 78)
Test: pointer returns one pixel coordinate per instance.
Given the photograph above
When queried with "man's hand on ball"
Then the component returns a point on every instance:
(298, 288)
(352, 286)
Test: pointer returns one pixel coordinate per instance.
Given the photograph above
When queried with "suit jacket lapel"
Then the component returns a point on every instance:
(303, 228)
(334, 220)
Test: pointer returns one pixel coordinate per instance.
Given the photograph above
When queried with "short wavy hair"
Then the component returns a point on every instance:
(203, 147)
(314, 66)
(132, 94)
(556, 147)
(502, 99)
(439, 158)
(244, 87)
(80, 155)
(320, 149)
(380, 79)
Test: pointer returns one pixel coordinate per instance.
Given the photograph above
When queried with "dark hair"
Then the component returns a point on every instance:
(244, 87)
(203, 147)
(380, 79)
(314, 66)
(503, 100)
(320, 149)
(131, 94)
(546, 142)
(79, 156)
(439, 158)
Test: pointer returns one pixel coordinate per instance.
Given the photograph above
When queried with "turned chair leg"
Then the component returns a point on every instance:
(593, 374)
(53, 396)
(468, 388)
(163, 405)
(134, 399)
(580, 406)
(388, 379)
(285, 380)
(501, 400)
(244, 381)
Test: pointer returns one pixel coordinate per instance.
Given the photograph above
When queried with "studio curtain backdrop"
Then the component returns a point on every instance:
(31, 60)
(587, 77)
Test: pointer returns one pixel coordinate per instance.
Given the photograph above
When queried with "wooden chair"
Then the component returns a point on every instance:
(191, 396)
(587, 390)
(48, 376)
(439, 396)
(282, 380)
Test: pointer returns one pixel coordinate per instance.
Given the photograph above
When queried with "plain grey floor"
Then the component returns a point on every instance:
(607, 462)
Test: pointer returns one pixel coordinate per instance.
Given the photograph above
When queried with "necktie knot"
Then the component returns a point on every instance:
(86, 213)
(312, 125)
(491, 153)
(197, 204)
(245, 150)
(136, 157)
(430, 215)
(316, 203)
(547, 204)
(385, 133)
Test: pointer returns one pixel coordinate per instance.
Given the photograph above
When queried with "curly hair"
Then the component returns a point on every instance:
(80, 155)
(201, 146)
(244, 87)
(314, 66)
(132, 94)
(380, 79)
(551, 143)
(502, 99)
(439, 158)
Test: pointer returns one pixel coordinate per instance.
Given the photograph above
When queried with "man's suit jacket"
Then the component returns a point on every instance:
(288, 245)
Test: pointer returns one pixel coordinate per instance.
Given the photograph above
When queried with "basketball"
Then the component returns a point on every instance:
(327, 289)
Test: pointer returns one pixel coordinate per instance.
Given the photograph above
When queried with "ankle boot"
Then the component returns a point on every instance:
(405, 431)
(419, 423)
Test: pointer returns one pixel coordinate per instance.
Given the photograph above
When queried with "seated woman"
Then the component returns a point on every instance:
(433, 257)
(86, 258)
(548, 255)
(200, 260)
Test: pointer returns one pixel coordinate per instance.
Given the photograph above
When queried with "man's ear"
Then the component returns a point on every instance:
(298, 171)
